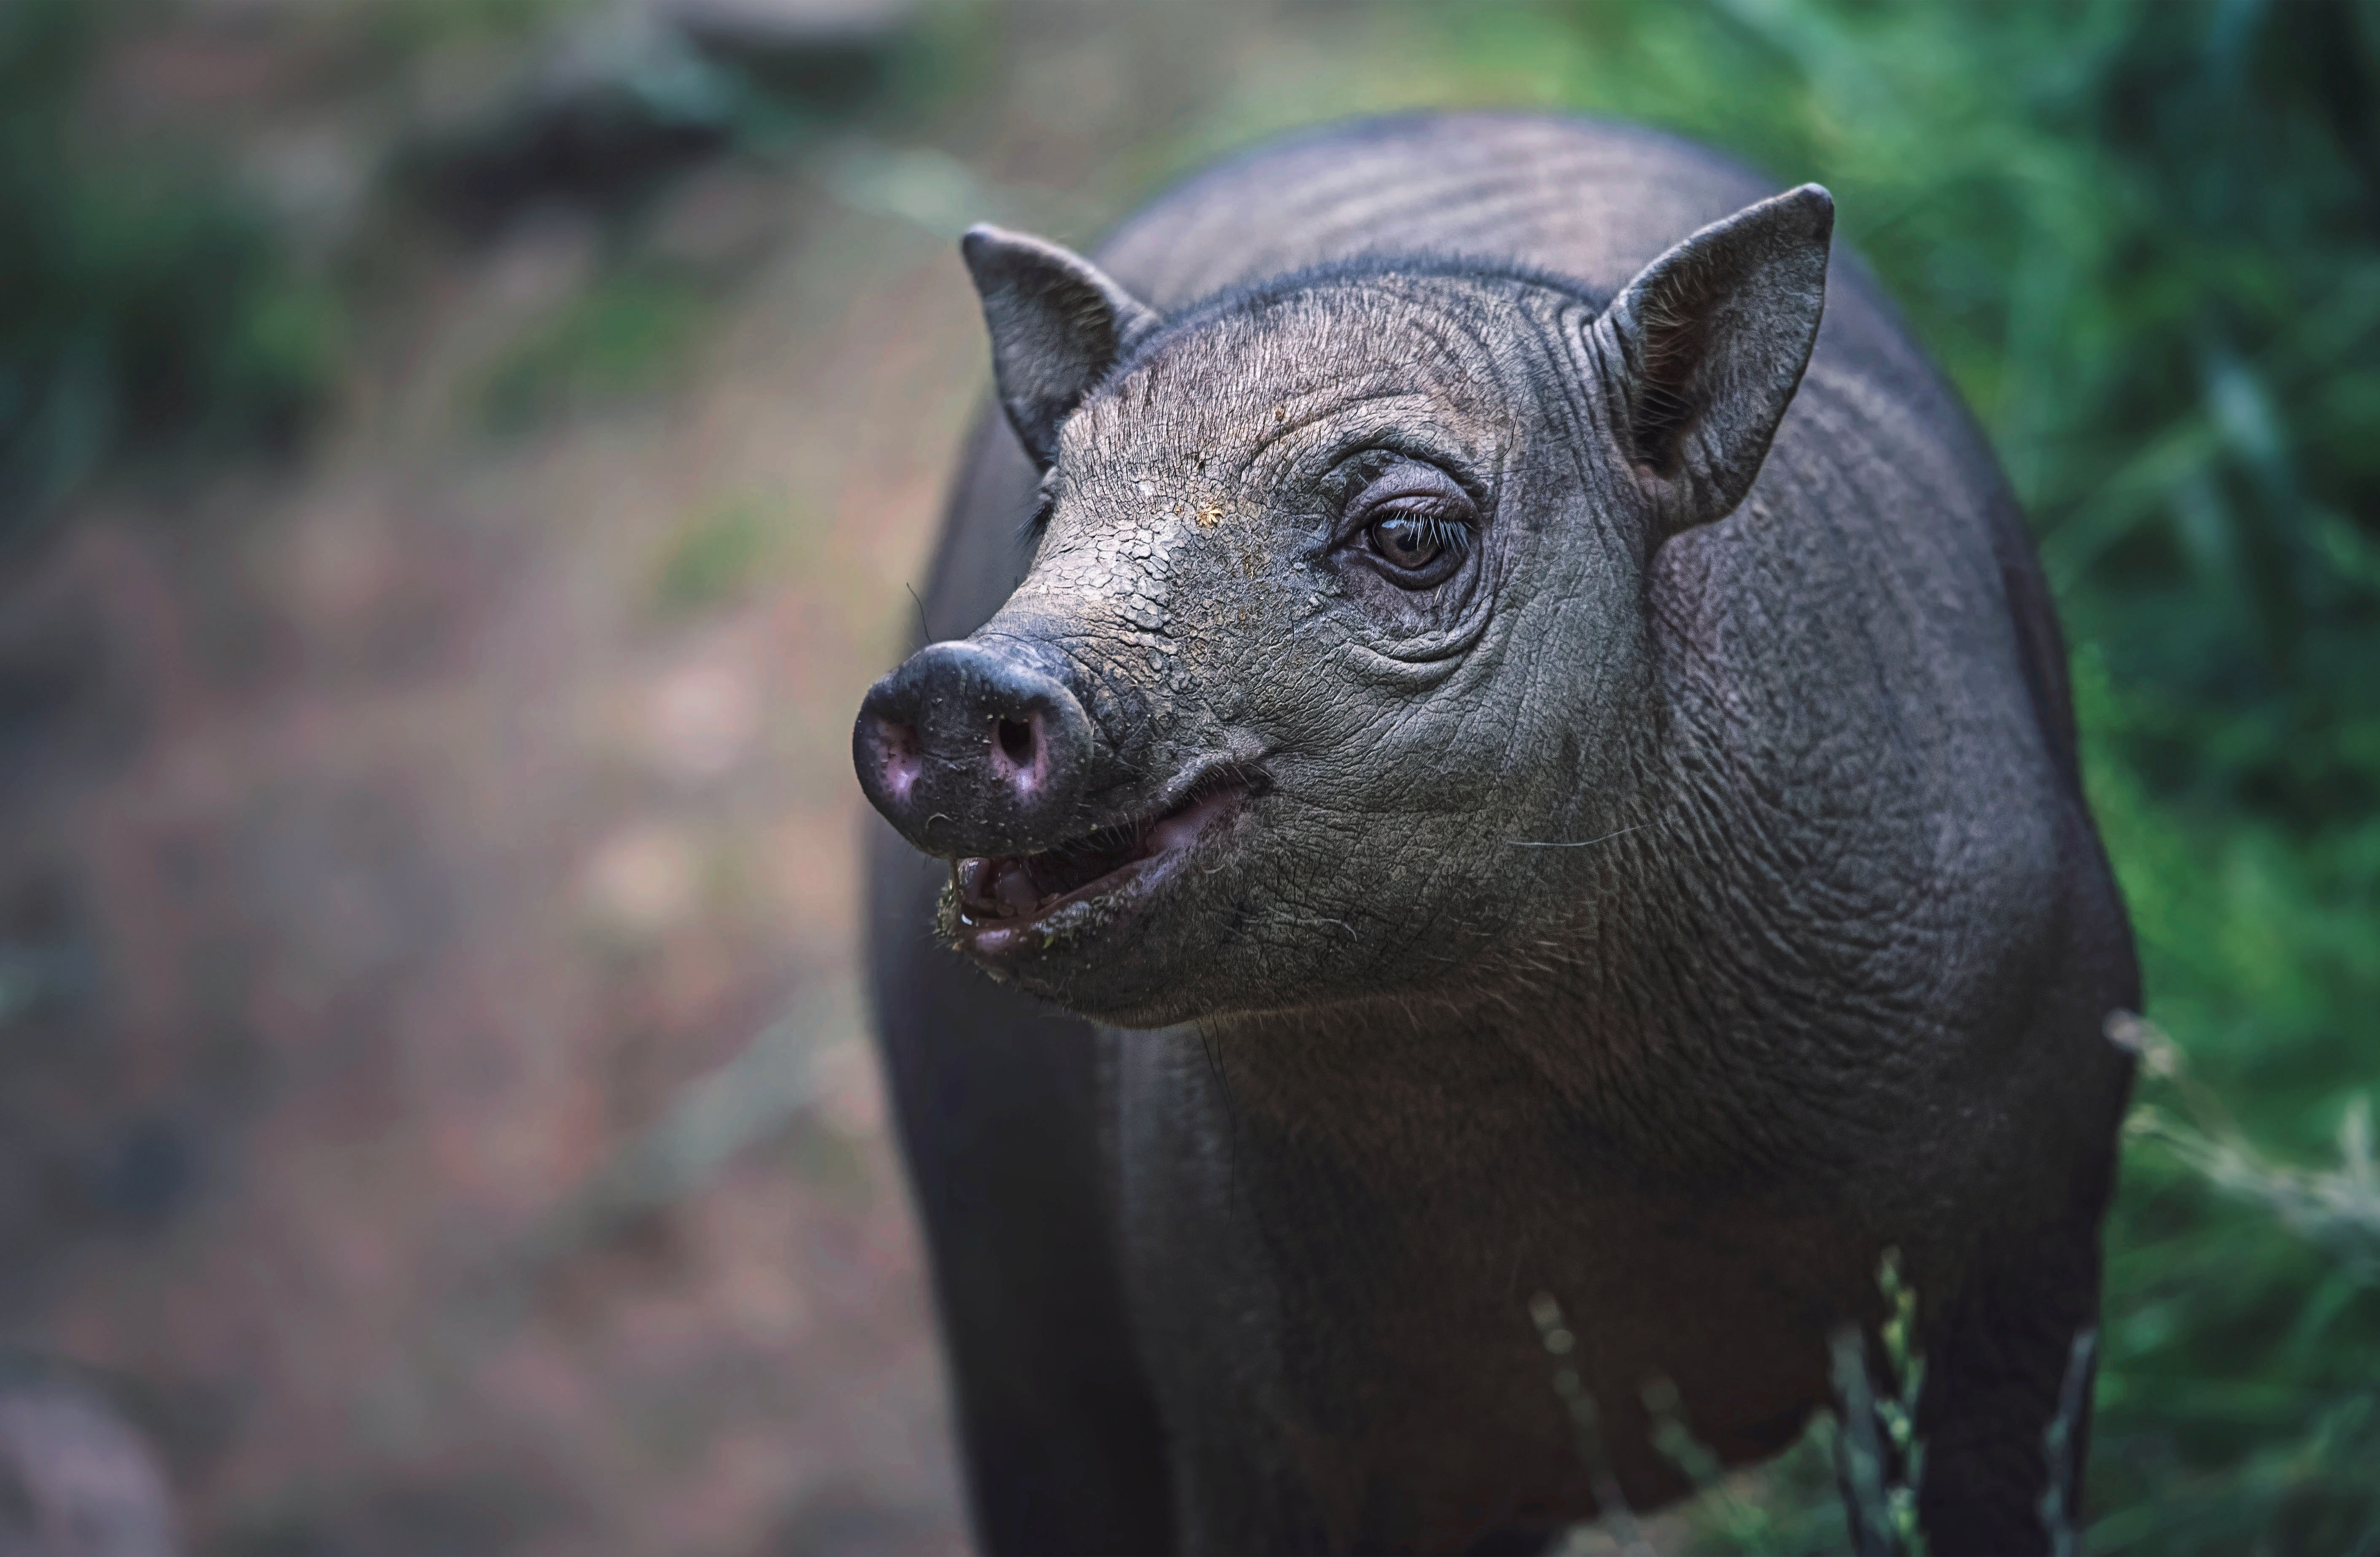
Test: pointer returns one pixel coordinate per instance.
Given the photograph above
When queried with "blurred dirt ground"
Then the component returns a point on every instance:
(392, 839)
(399, 847)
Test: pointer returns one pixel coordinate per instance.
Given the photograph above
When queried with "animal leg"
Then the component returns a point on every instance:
(2005, 1413)
(996, 1098)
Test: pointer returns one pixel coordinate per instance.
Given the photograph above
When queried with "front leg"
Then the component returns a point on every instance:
(2005, 1416)
(1258, 1263)
(1205, 1314)
(997, 1103)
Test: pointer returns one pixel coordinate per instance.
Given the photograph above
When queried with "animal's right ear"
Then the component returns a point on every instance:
(1058, 325)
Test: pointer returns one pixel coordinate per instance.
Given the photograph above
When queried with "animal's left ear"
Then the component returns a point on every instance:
(1707, 345)
(1058, 324)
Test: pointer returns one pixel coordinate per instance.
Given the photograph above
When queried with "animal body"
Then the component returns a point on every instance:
(1507, 739)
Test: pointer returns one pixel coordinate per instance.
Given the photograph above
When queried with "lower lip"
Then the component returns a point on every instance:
(1172, 841)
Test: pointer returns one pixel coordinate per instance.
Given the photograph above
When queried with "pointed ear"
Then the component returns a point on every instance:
(1707, 345)
(1058, 325)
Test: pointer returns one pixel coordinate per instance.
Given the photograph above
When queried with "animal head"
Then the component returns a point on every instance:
(1334, 635)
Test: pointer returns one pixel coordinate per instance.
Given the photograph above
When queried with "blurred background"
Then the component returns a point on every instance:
(462, 460)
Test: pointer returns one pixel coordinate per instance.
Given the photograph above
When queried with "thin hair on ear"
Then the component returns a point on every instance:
(1711, 340)
(1676, 331)
(1058, 325)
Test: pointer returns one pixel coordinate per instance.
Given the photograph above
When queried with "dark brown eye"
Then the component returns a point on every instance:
(1413, 523)
(1414, 540)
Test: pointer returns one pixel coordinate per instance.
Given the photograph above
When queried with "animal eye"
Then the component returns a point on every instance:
(1415, 524)
(1412, 541)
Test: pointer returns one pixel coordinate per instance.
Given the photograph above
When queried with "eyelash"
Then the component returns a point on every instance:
(1029, 534)
(1448, 533)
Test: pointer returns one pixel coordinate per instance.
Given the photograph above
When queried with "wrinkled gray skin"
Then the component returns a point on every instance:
(1686, 900)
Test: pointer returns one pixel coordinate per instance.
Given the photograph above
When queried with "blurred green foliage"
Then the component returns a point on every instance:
(2145, 237)
(145, 306)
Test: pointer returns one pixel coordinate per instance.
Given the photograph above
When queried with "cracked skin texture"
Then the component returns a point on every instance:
(1688, 898)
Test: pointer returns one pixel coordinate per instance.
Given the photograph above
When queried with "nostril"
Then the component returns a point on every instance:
(1017, 743)
(897, 749)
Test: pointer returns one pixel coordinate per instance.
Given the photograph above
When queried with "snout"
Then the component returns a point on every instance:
(970, 752)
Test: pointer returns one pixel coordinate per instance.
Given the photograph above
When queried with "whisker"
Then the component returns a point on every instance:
(1581, 844)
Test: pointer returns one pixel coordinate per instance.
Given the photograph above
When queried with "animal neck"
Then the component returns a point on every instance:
(1440, 1089)
(1597, 1047)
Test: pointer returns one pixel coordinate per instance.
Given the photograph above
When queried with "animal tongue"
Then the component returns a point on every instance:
(1000, 888)
(1015, 886)
(1012, 886)
(1012, 891)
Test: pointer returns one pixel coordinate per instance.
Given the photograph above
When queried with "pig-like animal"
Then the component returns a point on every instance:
(1509, 740)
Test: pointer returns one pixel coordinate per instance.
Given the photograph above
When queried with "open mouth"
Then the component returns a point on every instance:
(1008, 901)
